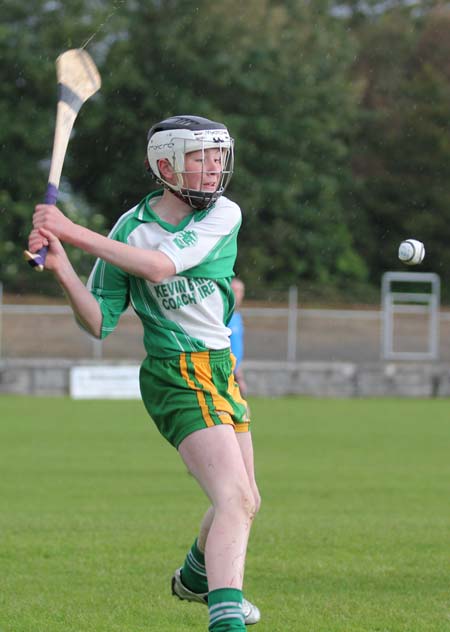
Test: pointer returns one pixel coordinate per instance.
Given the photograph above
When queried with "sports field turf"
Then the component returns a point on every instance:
(96, 511)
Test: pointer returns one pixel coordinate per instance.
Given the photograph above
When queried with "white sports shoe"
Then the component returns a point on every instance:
(251, 612)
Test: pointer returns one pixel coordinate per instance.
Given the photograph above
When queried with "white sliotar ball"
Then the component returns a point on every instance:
(411, 252)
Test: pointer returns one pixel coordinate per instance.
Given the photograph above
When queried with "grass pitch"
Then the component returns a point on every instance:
(96, 511)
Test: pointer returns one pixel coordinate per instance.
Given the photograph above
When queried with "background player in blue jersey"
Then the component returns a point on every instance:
(237, 339)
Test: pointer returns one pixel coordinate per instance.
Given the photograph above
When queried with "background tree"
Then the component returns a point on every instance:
(401, 154)
(340, 112)
(277, 73)
(32, 35)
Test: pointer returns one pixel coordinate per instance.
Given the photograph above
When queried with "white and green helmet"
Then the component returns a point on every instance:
(177, 136)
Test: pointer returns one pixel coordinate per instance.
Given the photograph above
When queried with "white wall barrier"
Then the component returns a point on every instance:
(266, 379)
(104, 382)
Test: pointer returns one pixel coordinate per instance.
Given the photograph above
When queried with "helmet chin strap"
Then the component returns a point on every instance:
(197, 200)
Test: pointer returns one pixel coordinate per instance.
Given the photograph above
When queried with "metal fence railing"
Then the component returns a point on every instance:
(288, 333)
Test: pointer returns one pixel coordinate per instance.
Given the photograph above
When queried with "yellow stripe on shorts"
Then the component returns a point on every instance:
(234, 391)
(204, 376)
(200, 396)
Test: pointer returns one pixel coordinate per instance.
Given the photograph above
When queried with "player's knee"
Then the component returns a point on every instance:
(250, 503)
(250, 506)
(241, 501)
(257, 498)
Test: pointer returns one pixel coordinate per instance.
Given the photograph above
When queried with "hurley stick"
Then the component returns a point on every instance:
(78, 79)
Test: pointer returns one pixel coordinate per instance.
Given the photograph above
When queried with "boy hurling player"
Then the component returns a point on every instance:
(171, 257)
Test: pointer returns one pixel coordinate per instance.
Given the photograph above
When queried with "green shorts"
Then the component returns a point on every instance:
(190, 391)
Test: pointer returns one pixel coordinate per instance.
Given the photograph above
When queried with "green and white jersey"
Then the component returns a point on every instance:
(190, 310)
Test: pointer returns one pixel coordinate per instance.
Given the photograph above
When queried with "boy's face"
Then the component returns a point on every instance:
(203, 170)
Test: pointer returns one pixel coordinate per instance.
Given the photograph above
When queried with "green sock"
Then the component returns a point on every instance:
(193, 573)
(225, 610)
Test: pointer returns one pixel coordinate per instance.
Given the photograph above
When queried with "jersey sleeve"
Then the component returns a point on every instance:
(210, 238)
(110, 287)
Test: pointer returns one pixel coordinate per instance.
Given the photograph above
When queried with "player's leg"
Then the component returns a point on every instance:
(190, 581)
(214, 457)
(246, 446)
(193, 571)
(204, 528)
(202, 395)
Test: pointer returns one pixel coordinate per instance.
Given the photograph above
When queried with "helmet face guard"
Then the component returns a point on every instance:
(173, 138)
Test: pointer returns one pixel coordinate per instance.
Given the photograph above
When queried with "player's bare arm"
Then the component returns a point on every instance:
(86, 309)
(151, 265)
(84, 306)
